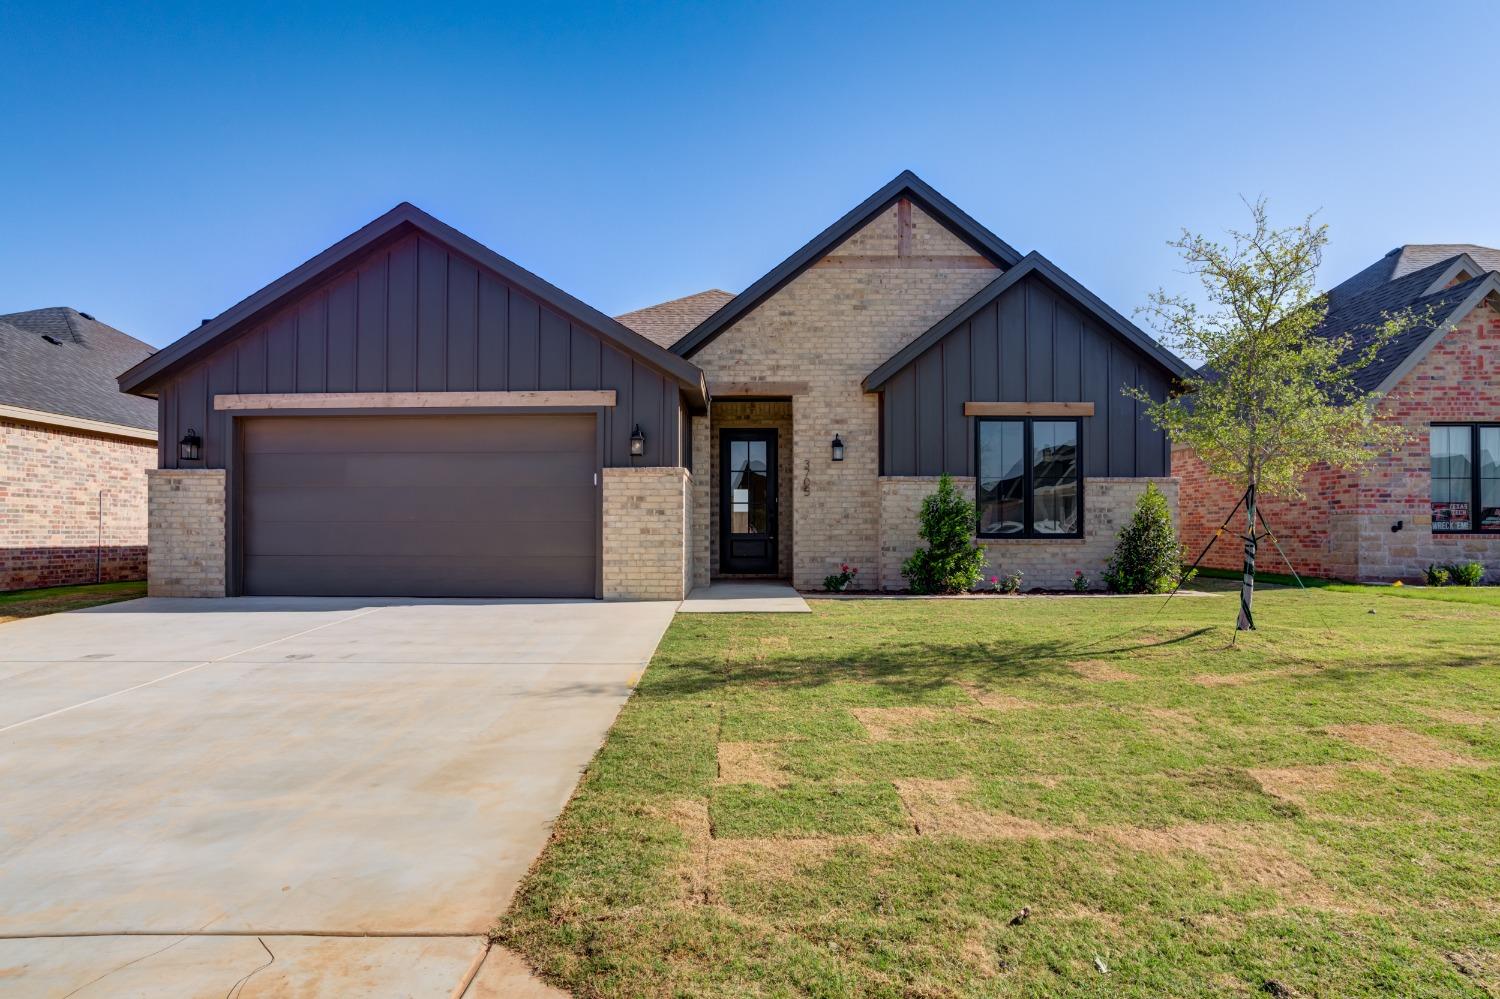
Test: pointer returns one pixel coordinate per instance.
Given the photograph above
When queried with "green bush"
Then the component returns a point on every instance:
(1466, 573)
(951, 562)
(1147, 557)
(1437, 575)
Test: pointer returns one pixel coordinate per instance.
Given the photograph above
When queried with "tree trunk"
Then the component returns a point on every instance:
(1247, 584)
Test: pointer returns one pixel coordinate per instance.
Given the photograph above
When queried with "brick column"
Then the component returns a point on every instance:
(647, 517)
(185, 514)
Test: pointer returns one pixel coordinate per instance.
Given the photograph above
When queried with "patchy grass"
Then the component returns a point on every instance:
(34, 603)
(864, 805)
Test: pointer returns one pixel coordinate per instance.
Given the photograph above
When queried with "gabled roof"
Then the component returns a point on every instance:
(668, 322)
(402, 219)
(64, 362)
(905, 185)
(1032, 263)
(1358, 307)
(1404, 260)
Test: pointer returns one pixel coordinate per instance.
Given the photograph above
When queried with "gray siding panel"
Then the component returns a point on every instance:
(1031, 345)
(343, 306)
(369, 330)
(414, 315)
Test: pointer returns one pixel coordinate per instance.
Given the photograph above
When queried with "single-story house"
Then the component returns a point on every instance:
(1436, 499)
(410, 413)
(73, 452)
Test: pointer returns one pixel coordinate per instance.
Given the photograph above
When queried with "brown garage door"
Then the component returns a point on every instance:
(502, 506)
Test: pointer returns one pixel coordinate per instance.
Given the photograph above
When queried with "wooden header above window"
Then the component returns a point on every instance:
(1028, 409)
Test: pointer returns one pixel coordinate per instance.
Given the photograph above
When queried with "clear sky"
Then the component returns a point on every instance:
(160, 164)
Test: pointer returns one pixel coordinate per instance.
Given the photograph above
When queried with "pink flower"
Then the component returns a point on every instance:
(994, 579)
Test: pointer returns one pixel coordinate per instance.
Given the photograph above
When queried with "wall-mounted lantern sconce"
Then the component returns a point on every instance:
(838, 448)
(1397, 526)
(637, 442)
(191, 446)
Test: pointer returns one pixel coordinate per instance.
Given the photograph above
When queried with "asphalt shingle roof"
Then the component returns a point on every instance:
(74, 376)
(668, 322)
(1400, 281)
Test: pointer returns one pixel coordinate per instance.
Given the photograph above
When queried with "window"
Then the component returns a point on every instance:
(1029, 484)
(1465, 478)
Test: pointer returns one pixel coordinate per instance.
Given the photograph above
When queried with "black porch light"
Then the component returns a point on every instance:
(191, 446)
(637, 442)
(838, 448)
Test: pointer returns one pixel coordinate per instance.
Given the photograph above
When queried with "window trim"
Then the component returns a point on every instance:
(1476, 505)
(1027, 488)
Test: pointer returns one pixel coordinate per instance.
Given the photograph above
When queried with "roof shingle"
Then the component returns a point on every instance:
(74, 376)
(668, 322)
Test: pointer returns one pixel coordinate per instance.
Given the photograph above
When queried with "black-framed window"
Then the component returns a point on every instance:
(1465, 478)
(1030, 482)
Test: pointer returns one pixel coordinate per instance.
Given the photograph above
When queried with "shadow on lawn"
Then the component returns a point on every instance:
(915, 670)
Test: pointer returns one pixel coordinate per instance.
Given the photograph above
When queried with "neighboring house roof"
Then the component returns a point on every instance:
(1442, 282)
(63, 362)
(402, 219)
(1032, 263)
(668, 322)
(905, 185)
(1403, 260)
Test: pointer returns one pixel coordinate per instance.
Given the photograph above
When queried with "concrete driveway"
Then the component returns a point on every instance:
(330, 796)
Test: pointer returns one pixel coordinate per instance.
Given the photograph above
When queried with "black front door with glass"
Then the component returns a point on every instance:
(747, 501)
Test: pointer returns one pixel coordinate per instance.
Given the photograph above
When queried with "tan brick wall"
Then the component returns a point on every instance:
(700, 500)
(1107, 506)
(1342, 525)
(72, 506)
(186, 518)
(830, 327)
(648, 515)
(760, 414)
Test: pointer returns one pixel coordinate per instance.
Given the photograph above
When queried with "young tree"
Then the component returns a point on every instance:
(1275, 396)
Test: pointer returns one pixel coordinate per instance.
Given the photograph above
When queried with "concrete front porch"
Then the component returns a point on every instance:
(744, 596)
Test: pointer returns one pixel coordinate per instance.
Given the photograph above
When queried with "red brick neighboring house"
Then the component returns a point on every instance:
(1437, 499)
(73, 452)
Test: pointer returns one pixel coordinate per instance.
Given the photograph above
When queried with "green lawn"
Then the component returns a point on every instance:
(857, 802)
(19, 604)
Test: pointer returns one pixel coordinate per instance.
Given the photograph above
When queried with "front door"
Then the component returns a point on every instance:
(747, 501)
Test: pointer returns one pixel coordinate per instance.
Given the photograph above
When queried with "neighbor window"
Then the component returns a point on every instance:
(1029, 484)
(1465, 478)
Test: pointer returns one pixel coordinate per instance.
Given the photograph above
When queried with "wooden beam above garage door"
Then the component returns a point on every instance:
(415, 400)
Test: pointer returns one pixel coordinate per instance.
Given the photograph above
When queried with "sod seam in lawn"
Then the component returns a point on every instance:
(858, 802)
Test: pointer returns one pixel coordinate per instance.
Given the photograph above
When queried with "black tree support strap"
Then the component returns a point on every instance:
(1247, 581)
(1201, 556)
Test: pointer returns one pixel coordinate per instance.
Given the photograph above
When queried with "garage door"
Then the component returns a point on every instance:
(502, 506)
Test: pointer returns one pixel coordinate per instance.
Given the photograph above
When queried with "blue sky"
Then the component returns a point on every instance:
(163, 163)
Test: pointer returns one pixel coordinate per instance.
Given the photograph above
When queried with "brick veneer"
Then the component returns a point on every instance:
(186, 516)
(1342, 526)
(763, 414)
(1107, 506)
(648, 518)
(829, 327)
(72, 506)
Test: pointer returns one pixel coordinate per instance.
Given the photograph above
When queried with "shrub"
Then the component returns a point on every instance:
(1466, 573)
(1147, 557)
(839, 581)
(1010, 582)
(1437, 575)
(1080, 581)
(951, 562)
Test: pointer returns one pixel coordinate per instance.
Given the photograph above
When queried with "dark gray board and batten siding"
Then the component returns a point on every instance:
(416, 316)
(1031, 344)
